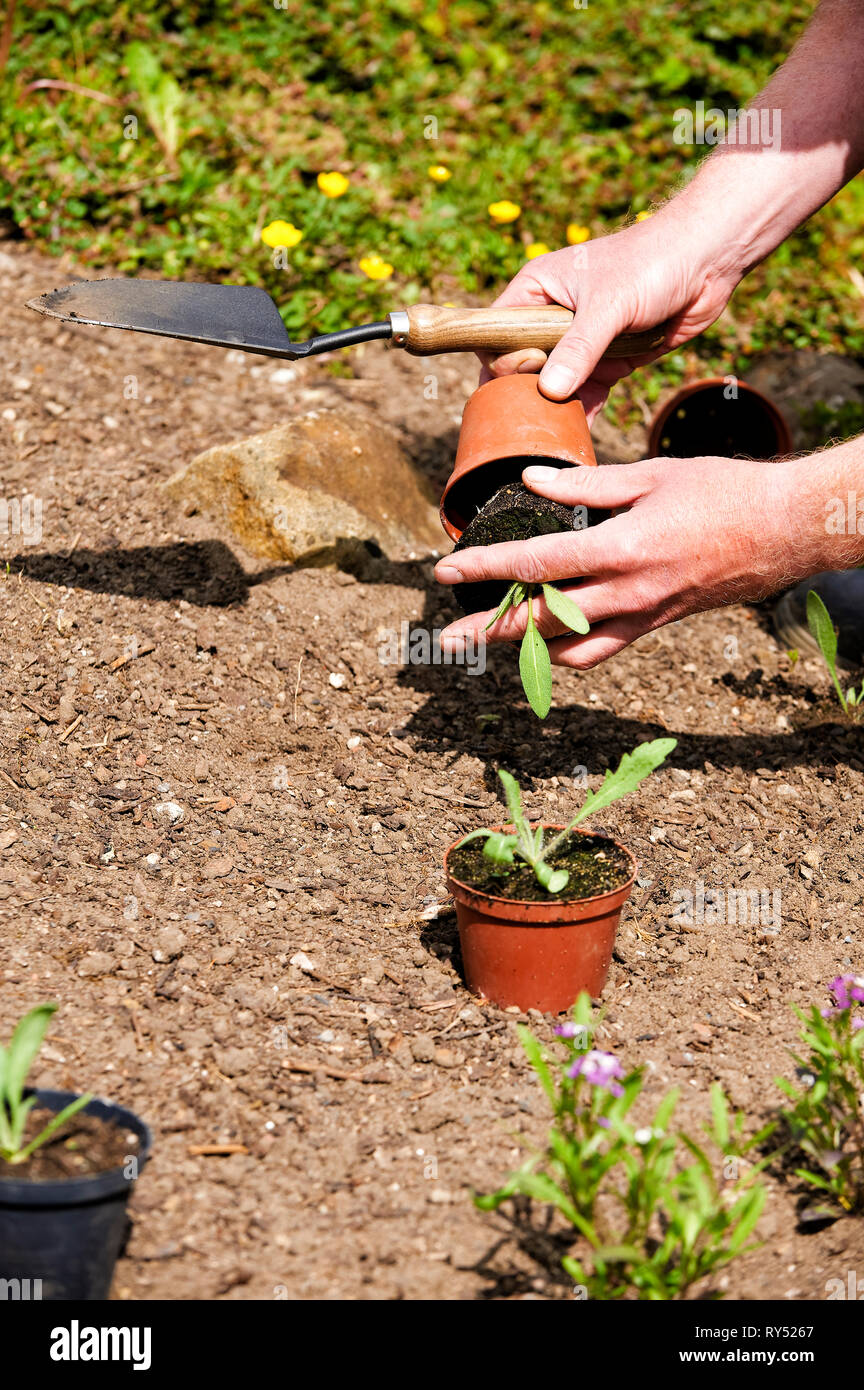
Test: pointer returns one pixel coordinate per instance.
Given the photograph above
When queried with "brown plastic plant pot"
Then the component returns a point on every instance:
(699, 420)
(508, 423)
(537, 955)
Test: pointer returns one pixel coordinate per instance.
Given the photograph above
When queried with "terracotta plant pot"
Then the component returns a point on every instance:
(700, 420)
(537, 955)
(508, 424)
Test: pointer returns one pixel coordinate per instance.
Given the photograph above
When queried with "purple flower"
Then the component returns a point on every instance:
(599, 1069)
(571, 1030)
(847, 990)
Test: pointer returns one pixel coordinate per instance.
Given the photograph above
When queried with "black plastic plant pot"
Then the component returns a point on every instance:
(67, 1233)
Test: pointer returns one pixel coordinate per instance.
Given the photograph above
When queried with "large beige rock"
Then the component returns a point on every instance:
(312, 490)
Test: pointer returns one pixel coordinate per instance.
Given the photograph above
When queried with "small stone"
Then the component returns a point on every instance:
(169, 812)
(169, 943)
(202, 770)
(447, 1057)
(235, 1061)
(353, 742)
(337, 680)
(423, 1047)
(302, 962)
(223, 955)
(96, 963)
(218, 868)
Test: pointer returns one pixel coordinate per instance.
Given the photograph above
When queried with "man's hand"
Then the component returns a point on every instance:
(687, 534)
(637, 278)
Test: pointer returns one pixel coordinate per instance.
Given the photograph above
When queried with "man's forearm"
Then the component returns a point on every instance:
(746, 199)
(826, 508)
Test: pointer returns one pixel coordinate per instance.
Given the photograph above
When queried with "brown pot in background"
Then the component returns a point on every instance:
(699, 420)
(537, 955)
(509, 424)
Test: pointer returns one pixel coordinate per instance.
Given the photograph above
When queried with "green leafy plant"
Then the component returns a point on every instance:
(826, 1121)
(161, 97)
(646, 1221)
(528, 844)
(822, 628)
(535, 665)
(16, 1060)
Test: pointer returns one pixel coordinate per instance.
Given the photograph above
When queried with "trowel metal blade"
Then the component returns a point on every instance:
(238, 316)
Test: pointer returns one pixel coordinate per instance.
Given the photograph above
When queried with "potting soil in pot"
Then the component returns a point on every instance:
(511, 514)
(595, 864)
(83, 1146)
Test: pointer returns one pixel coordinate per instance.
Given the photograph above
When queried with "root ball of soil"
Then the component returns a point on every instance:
(512, 514)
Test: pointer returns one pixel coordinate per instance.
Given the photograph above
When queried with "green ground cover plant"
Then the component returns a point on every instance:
(166, 138)
(824, 1121)
(651, 1208)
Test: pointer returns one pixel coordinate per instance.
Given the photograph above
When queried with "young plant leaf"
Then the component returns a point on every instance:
(473, 835)
(822, 628)
(553, 880)
(535, 668)
(24, 1046)
(52, 1126)
(500, 847)
(565, 610)
(514, 801)
(633, 768)
(506, 602)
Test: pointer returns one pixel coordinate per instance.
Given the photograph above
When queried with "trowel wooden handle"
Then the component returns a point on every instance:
(432, 329)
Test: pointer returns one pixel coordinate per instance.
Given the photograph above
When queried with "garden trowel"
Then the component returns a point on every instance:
(242, 316)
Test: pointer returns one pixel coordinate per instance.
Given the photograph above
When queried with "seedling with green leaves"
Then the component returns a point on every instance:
(825, 1121)
(528, 844)
(822, 628)
(15, 1062)
(535, 664)
(650, 1215)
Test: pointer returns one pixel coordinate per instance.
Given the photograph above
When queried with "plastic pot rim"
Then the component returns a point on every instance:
(94, 1187)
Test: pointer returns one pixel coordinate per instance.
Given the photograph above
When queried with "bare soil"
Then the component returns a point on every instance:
(273, 977)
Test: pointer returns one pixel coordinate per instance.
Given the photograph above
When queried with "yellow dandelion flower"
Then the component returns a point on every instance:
(376, 268)
(576, 234)
(505, 211)
(536, 248)
(281, 233)
(642, 216)
(333, 184)
(439, 173)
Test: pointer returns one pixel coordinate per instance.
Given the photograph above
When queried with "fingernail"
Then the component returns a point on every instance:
(448, 574)
(539, 474)
(558, 381)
